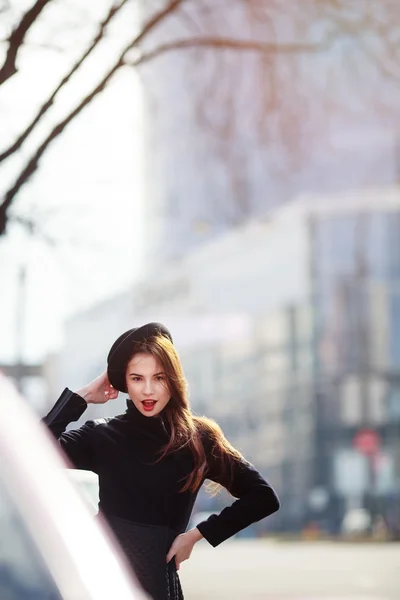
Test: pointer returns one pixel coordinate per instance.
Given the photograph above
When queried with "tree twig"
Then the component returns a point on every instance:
(32, 164)
(17, 37)
(238, 45)
(50, 101)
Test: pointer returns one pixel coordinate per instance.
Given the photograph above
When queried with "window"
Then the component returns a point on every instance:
(351, 401)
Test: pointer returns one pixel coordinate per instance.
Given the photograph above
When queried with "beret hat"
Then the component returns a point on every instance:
(123, 348)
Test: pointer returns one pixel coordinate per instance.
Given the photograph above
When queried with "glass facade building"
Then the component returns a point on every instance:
(356, 303)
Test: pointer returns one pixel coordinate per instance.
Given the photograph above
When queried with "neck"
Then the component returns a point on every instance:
(155, 424)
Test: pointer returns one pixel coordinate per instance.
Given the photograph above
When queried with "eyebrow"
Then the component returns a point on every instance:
(140, 375)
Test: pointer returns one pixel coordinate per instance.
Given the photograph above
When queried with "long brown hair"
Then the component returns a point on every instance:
(186, 428)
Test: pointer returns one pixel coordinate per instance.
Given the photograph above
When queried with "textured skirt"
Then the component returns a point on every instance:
(146, 548)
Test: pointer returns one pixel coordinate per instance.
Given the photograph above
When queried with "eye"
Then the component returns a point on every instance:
(160, 377)
(135, 378)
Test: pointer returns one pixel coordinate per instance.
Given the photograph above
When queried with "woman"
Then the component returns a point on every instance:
(153, 459)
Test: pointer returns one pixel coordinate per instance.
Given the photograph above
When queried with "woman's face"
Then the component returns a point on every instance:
(147, 384)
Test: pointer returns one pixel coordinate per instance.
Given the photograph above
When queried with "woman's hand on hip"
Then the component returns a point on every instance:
(98, 391)
(182, 546)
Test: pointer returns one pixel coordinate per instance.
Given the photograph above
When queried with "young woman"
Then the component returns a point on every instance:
(153, 459)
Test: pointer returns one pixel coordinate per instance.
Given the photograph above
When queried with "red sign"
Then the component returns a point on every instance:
(367, 441)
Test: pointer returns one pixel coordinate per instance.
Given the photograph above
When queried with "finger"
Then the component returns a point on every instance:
(172, 552)
(110, 392)
(178, 562)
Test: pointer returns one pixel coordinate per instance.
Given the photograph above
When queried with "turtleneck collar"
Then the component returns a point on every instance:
(153, 425)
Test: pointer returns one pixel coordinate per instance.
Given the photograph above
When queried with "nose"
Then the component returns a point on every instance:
(148, 387)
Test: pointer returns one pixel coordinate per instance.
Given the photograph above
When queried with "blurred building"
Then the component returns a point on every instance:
(288, 330)
(230, 135)
(356, 269)
(32, 380)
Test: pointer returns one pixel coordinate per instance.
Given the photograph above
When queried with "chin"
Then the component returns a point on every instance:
(147, 413)
(153, 413)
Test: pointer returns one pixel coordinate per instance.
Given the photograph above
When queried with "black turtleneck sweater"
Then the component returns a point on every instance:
(122, 451)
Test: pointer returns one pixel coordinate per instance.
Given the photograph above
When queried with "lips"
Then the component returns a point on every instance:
(148, 405)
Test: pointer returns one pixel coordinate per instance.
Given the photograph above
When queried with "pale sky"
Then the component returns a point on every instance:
(87, 194)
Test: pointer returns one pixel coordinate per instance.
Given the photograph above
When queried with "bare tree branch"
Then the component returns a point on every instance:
(16, 39)
(218, 43)
(33, 228)
(214, 43)
(32, 164)
(272, 41)
(47, 105)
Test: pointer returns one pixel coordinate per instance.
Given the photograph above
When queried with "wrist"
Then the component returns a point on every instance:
(85, 394)
(195, 534)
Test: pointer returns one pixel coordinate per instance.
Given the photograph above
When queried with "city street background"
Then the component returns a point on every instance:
(268, 570)
(230, 168)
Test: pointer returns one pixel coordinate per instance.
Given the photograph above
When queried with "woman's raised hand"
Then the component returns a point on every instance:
(99, 390)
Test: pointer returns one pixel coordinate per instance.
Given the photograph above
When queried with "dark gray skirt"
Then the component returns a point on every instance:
(146, 548)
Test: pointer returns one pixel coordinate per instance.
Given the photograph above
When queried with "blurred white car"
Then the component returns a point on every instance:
(51, 548)
(87, 484)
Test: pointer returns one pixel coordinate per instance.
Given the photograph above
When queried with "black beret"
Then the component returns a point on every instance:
(123, 348)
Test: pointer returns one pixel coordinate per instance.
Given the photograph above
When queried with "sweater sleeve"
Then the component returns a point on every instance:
(255, 500)
(77, 443)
